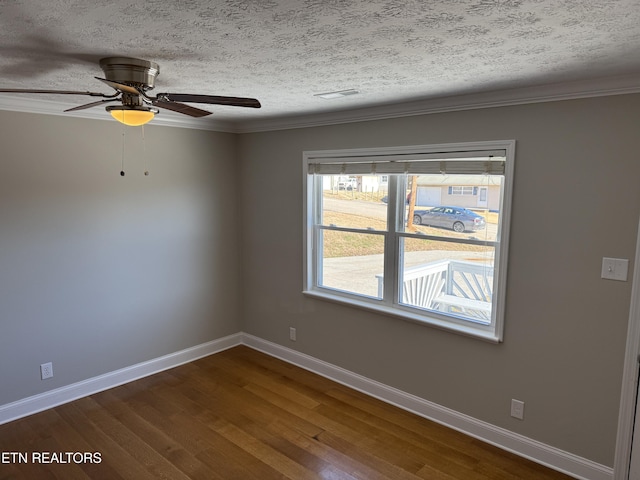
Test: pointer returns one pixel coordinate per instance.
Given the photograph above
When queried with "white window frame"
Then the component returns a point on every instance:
(390, 305)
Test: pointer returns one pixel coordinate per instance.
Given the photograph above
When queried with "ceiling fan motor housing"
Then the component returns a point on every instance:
(130, 71)
(130, 100)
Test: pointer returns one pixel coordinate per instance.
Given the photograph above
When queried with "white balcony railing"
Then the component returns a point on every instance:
(455, 287)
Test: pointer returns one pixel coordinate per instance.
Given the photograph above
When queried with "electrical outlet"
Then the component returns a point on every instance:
(517, 409)
(292, 334)
(46, 370)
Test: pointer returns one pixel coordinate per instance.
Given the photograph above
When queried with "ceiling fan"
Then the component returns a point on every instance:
(132, 78)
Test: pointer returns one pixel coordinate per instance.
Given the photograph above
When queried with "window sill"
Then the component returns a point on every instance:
(431, 321)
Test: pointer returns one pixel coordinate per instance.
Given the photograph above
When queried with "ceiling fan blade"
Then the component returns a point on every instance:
(211, 99)
(55, 92)
(119, 86)
(92, 104)
(181, 108)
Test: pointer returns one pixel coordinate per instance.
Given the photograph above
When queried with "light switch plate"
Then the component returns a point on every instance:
(615, 268)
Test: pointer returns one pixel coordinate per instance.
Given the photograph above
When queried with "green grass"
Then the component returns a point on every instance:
(347, 244)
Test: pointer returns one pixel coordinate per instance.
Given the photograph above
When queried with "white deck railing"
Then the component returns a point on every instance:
(456, 287)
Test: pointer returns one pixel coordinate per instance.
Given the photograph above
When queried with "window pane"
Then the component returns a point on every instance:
(453, 222)
(361, 204)
(352, 262)
(442, 207)
(447, 277)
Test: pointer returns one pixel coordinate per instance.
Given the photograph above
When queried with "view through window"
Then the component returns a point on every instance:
(426, 243)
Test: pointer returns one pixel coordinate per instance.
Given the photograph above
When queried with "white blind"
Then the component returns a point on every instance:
(490, 162)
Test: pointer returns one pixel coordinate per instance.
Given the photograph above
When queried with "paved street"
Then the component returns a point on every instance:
(377, 210)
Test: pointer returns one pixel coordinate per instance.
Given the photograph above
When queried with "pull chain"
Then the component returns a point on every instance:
(144, 152)
(122, 162)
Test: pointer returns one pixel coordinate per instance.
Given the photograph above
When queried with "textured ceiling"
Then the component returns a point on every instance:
(283, 52)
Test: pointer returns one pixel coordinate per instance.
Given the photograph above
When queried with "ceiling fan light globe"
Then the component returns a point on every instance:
(132, 117)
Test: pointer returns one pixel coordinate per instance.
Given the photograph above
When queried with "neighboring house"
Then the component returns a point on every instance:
(360, 183)
(340, 182)
(372, 183)
(469, 191)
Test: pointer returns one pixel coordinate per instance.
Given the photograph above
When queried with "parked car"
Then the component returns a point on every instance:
(456, 218)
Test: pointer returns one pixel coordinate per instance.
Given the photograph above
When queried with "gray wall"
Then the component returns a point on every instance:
(99, 272)
(576, 199)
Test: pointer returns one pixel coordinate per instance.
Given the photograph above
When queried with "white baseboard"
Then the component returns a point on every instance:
(43, 401)
(538, 452)
(552, 457)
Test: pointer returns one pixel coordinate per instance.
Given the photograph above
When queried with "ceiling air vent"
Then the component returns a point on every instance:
(339, 94)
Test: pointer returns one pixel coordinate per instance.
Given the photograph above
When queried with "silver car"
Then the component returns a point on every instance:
(456, 218)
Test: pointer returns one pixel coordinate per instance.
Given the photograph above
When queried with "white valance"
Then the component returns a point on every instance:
(491, 162)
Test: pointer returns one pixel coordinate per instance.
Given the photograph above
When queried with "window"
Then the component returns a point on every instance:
(460, 190)
(418, 253)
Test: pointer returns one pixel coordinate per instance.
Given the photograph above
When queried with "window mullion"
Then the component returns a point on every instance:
(317, 237)
(391, 247)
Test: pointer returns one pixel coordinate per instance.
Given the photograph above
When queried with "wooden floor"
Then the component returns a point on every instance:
(243, 415)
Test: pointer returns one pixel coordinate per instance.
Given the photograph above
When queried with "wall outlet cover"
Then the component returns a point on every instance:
(46, 370)
(517, 409)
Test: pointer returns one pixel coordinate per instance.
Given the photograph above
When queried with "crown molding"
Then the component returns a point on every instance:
(31, 104)
(618, 85)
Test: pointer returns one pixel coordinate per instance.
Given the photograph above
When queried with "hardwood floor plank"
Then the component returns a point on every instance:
(230, 462)
(241, 404)
(408, 443)
(157, 437)
(419, 428)
(281, 463)
(113, 455)
(52, 423)
(37, 443)
(276, 383)
(440, 453)
(360, 454)
(151, 460)
(390, 448)
(154, 410)
(444, 441)
(343, 462)
(284, 372)
(271, 435)
(495, 460)
(244, 415)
